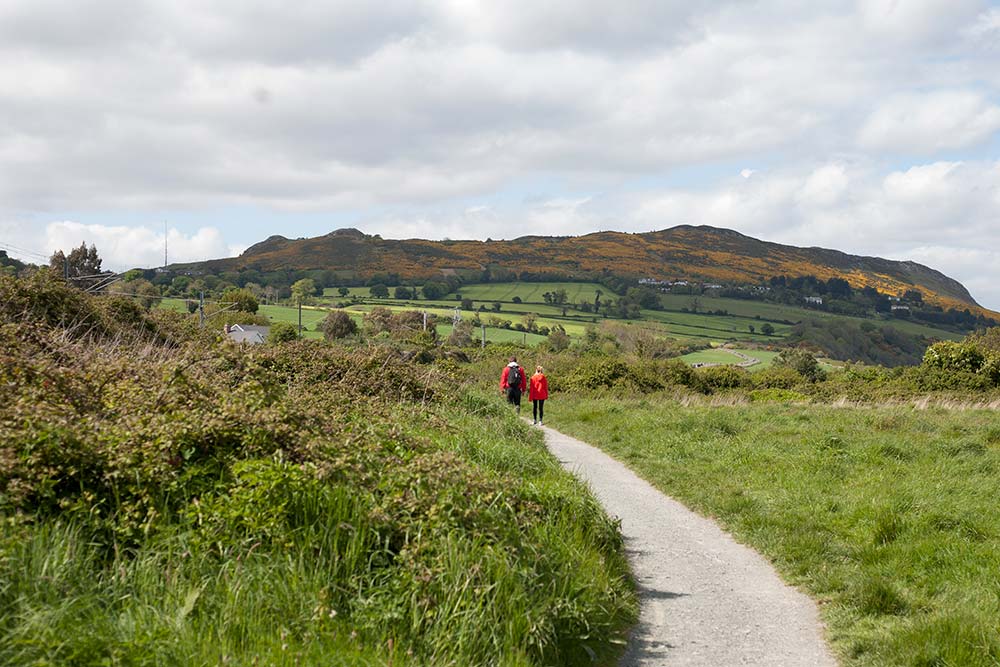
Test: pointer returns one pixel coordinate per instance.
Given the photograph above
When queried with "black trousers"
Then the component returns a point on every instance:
(514, 396)
(538, 409)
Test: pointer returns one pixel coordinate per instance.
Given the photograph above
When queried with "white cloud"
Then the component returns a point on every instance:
(400, 113)
(926, 123)
(122, 247)
(945, 213)
(986, 28)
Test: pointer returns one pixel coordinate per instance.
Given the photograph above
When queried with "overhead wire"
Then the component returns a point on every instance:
(24, 251)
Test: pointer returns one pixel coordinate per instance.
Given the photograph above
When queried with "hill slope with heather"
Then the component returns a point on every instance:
(683, 252)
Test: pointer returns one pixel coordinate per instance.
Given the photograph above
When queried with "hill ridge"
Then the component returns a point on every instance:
(699, 252)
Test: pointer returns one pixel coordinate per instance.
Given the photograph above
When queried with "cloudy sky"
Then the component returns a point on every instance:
(872, 127)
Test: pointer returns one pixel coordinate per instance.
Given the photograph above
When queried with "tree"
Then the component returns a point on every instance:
(146, 292)
(461, 335)
(338, 324)
(343, 291)
(303, 290)
(282, 332)
(467, 304)
(496, 306)
(801, 362)
(516, 299)
(377, 321)
(767, 329)
(530, 321)
(402, 293)
(557, 339)
(82, 261)
(379, 291)
(433, 291)
(751, 328)
(559, 297)
(240, 299)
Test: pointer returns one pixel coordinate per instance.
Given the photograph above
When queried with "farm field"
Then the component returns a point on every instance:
(310, 317)
(713, 327)
(690, 326)
(885, 515)
(722, 356)
(532, 292)
(780, 312)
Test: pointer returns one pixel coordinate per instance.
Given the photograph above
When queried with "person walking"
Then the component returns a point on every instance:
(513, 382)
(538, 391)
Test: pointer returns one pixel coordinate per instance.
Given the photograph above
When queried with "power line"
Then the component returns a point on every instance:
(24, 251)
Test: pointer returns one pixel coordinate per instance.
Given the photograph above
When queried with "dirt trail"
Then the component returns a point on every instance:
(706, 600)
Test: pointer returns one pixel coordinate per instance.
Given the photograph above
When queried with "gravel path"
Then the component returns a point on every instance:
(706, 600)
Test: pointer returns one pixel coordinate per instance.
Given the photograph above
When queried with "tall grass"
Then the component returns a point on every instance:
(886, 515)
(167, 500)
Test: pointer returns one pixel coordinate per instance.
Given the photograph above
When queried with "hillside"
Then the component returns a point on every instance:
(683, 252)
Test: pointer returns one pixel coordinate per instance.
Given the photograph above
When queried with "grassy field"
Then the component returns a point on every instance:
(532, 292)
(722, 356)
(310, 317)
(782, 312)
(691, 326)
(887, 516)
(293, 504)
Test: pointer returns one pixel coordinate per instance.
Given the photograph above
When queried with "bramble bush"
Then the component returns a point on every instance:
(278, 504)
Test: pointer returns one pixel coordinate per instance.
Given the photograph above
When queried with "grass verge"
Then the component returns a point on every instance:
(885, 515)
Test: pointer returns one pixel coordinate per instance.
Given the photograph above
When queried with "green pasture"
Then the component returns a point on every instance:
(532, 292)
(885, 515)
(775, 311)
(713, 327)
(310, 317)
(178, 305)
(573, 328)
(723, 356)
(713, 356)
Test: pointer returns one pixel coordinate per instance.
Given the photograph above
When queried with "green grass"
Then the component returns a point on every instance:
(887, 516)
(178, 305)
(775, 311)
(721, 356)
(714, 356)
(288, 505)
(532, 292)
(310, 317)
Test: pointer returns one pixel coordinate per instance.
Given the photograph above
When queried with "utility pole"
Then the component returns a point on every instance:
(484, 336)
(425, 320)
(201, 310)
(164, 244)
(300, 317)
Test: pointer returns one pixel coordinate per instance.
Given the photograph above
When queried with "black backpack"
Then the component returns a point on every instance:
(514, 378)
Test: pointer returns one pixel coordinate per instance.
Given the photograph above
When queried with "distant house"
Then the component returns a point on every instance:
(712, 286)
(815, 300)
(899, 307)
(247, 333)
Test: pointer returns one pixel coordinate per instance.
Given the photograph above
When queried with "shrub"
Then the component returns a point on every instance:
(714, 378)
(337, 324)
(776, 377)
(282, 332)
(802, 362)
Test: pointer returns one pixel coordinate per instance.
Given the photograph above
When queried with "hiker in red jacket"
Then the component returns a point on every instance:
(538, 391)
(513, 382)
